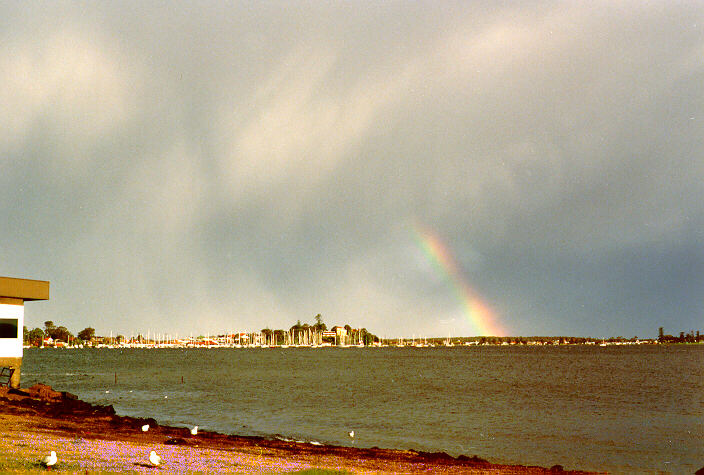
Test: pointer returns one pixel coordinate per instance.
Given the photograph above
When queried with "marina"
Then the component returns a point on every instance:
(259, 340)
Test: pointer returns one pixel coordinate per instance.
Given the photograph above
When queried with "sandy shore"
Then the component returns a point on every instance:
(93, 439)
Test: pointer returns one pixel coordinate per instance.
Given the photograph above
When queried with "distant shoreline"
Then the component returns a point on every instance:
(318, 336)
(88, 437)
(532, 343)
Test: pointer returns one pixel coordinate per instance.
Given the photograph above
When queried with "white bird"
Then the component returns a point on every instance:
(194, 431)
(145, 427)
(154, 459)
(49, 460)
(351, 434)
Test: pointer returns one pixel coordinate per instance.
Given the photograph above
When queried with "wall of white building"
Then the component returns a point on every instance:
(12, 347)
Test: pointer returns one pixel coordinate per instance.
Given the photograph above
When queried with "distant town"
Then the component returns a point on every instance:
(315, 336)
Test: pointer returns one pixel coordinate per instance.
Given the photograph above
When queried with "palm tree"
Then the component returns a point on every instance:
(319, 325)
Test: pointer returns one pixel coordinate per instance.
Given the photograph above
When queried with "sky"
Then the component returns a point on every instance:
(418, 168)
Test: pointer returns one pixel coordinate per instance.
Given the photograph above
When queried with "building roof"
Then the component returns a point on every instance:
(24, 289)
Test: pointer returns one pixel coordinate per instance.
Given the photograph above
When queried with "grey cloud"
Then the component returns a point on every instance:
(220, 166)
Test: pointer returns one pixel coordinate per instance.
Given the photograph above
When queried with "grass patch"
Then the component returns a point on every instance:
(24, 461)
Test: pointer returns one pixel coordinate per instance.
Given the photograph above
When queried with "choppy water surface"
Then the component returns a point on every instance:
(623, 409)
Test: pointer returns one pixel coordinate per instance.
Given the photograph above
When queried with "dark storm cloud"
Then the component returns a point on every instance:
(217, 167)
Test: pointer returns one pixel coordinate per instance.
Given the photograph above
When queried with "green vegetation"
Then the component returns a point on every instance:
(304, 334)
(87, 334)
(37, 336)
(20, 458)
(300, 334)
(690, 337)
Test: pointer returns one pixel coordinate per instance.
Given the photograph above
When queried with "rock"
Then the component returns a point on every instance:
(44, 392)
(151, 422)
(557, 468)
(176, 441)
(435, 456)
(15, 391)
(473, 460)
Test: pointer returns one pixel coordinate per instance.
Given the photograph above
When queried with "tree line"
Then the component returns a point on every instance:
(36, 336)
(300, 333)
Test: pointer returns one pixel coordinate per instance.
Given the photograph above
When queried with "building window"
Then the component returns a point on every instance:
(8, 328)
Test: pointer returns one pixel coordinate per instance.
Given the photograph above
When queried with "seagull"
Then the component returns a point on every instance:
(49, 460)
(154, 459)
(351, 434)
(145, 427)
(194, 431)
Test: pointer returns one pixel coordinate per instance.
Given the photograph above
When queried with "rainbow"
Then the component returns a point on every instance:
(477, 311)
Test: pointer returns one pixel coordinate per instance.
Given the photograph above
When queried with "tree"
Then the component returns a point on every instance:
(35, 337)
(295, 332)
(48, 327)
(87, 334)
(367, 338)
(319, 325)
(61, 333)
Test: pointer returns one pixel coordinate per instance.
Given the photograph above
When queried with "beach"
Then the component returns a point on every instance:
(93, 439)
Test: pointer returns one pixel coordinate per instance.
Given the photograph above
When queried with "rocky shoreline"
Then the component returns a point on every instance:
(62, 414)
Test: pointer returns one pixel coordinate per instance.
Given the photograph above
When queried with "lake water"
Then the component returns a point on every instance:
(622, 409)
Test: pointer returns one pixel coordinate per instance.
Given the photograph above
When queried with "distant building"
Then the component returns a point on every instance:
(13, 294)
(328, 337)
(340, 335)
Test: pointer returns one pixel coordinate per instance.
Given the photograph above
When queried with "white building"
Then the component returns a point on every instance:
(13, 294)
